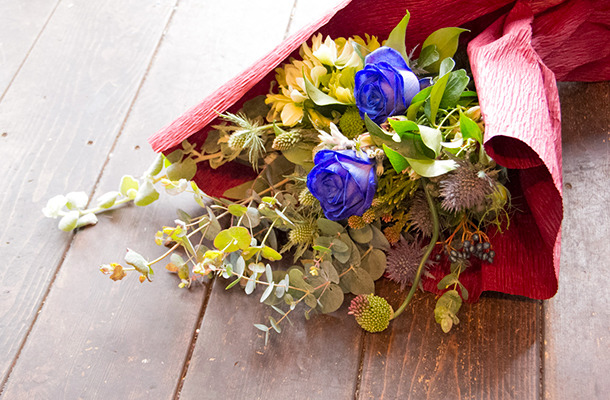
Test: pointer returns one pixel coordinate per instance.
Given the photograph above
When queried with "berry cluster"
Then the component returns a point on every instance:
(477, 247)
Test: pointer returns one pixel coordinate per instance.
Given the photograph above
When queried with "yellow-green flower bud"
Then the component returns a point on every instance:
(351, 124)
(373, 313)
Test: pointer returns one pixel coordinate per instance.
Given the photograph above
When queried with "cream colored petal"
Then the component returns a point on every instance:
(291, 114)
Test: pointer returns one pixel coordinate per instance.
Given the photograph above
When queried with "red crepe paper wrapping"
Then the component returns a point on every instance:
(518, 52)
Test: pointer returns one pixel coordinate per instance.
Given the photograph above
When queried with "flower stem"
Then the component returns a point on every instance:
(426, 254)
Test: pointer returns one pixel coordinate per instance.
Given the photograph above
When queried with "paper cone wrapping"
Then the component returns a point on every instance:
(516, 52)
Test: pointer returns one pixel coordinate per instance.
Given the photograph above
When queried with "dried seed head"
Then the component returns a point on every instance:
(403, 261)
(464, 188)
(419, 214)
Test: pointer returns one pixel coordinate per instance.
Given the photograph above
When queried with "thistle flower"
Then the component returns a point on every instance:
(403, 261)
(464, 188)
(286, 140)
(373, 313)
(302, 234)
(307, 199)
(419, 215)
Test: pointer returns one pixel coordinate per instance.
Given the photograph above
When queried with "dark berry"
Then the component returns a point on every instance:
(472, 248)
(437, 257)
(454, 253)
(486, 245)
(492, 253)
(479, 246)
(452, 259)
(475, 237)
(466, 244)
(485, 257)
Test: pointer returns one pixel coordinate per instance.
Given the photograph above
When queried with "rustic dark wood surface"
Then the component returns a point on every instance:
(83, 84)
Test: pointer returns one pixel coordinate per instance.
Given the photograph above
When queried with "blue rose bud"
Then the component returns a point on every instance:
(385, 86)
(343, 181)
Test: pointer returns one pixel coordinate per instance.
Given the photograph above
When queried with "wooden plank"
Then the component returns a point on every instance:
(318, 358)
(58, 121)
(129, 340)
(577, 355)
(493, 353)
(315, 359)
(21, 22)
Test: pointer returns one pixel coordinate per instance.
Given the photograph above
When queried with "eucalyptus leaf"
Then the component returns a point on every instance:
(447, 281)
(331, 271)
(186, 169)
(107, 200)
(232, 239)
(359, 281)
(175, 156)
(86, 219)
(331, 299)
(374, 263)
(68, 222)
(379, 240)
(267, 292)
(328, 227)
(146, 195)
(155, 167)
(336, 245)
(250, 285)
(363, 235)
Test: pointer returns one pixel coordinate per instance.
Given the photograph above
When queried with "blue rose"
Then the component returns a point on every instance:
(385, 86)
(343, 181)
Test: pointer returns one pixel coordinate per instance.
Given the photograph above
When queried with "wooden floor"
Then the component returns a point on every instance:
(84, 83)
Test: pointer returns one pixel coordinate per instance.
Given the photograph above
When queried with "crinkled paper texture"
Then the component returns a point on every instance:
(516, 51)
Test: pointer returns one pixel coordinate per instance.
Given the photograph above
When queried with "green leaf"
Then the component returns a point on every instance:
(399, 163)
(422, 95)
(270, 254)
(261, 327)
(146, 195)
(239, 191)
(186, 169)
(237, 209)
(414, 108)
(336, 245)
(427, 56)
(86, 219)
(451, 300)
(252, 218)
(405, 142)
(446, 42)
(374, 263)
(232, 239)
(319, 97)
(470, 129)
(432, 138)
(363, 235)
(396, 39)
(235, 282)
(275, 325)
(401, 125)
(438, 89)
(129, 186)
(68, 222)
(328, 227)
(432, 168)
(331, 299)
(458, 80)
(175, 156)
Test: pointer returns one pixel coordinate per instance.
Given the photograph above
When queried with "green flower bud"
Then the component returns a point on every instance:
(373, 313)
(351, 124)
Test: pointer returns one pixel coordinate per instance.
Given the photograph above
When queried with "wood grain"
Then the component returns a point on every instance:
(494, 352)
(577, 331)
(59, 121)
(127, 340)
(21, 22)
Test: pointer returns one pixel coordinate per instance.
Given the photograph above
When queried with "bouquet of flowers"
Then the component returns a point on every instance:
(356, 160)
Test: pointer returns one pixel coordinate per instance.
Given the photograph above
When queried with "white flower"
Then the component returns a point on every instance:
(335, 140)
(54, 206)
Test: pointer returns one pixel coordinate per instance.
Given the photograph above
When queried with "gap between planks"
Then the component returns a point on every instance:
(97, 180)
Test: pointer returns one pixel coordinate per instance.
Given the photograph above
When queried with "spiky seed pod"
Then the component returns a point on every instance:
(237, 140)
(464, 188)
(392, 234)
(351, 124)
(356, 222)
(373, 313)
(402, 262)
(307, 199)
(419, 214)
(302, 234)
(369, 216)
(286, 140)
